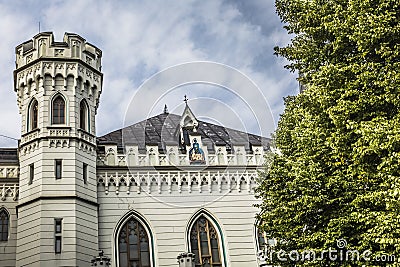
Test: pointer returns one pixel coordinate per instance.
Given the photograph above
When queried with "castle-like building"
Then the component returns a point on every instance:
(143, 194)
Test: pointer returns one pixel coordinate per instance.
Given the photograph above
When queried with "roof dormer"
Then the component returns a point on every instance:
(188, 120)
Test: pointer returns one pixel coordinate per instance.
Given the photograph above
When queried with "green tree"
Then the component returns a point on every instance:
(337, 173)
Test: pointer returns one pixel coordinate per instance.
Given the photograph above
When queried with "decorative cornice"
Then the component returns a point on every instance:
(59, 197)
(9, 190)
(167, 182)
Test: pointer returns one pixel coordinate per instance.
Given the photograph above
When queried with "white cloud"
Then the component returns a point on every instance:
(140, 38)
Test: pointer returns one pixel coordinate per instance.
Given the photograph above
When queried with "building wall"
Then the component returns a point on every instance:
(164, 190)
(9, 190)
(36, 245)
(8, 248)
(168, 212)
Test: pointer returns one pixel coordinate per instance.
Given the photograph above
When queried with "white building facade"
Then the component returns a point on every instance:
(143, 194)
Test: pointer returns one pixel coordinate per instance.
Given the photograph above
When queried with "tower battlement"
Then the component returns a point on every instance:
(43, 45)
(45, 67)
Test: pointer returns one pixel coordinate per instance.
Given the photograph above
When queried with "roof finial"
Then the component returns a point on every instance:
(185, 100)
(166, 109)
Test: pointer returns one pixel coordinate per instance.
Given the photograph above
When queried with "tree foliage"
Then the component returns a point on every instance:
(337, 174)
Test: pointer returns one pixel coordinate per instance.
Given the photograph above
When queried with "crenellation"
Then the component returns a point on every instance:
(43, 46)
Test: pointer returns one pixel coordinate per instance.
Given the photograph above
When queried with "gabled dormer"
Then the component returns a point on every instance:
(188, 125)
(188, 120)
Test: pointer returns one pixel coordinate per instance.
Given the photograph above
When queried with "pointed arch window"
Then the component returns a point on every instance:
(84, 116)
(264, 239)
(33, 115)
(58, 115)
(204, 243)
(133, 245)
(261, 239)
(4, 224)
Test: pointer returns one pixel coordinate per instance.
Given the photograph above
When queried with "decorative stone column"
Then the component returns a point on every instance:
(186, 259)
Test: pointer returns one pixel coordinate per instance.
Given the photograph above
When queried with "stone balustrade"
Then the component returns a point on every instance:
(59, 132)
(151, 158)
(86, 136)
(26, 138)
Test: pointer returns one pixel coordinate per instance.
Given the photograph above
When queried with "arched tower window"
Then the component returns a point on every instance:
(33, 115)
(204, 243)
(58, 115)
(4, 224)
(133, 245)
(84, 116)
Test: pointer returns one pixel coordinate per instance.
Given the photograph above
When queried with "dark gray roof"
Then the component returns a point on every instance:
(164, 129)
(9, 156)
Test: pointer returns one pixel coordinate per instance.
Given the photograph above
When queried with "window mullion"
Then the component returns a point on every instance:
(138, 235)
(4, 225)
(139, 259)
(219, 248)
(56, 113)
(1, 225)
(58, 108)
(128, 246)
(209, 242)
(199, 243)
(59, 112)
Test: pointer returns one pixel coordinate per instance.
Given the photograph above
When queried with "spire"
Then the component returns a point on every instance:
(166, 109)
(188, 120)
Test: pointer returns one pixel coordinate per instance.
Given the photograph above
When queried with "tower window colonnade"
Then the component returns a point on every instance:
(59, 112)
(58, 104)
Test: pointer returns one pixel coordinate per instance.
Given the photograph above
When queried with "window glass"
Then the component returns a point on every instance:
(58, 168)
(58, 245)
(85, 173)
(4, 224)
(31, 173)
(261, 239)
(133, 245)
(83, 116)
(57, 235)
(34, 115)
(58, 116)
(204, 242)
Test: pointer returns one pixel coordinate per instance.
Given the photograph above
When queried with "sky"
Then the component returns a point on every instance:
(218, 53)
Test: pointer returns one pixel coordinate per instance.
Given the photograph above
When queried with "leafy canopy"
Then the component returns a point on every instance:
(337, 175)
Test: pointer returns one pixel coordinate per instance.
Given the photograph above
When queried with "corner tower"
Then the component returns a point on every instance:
(58, 85)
